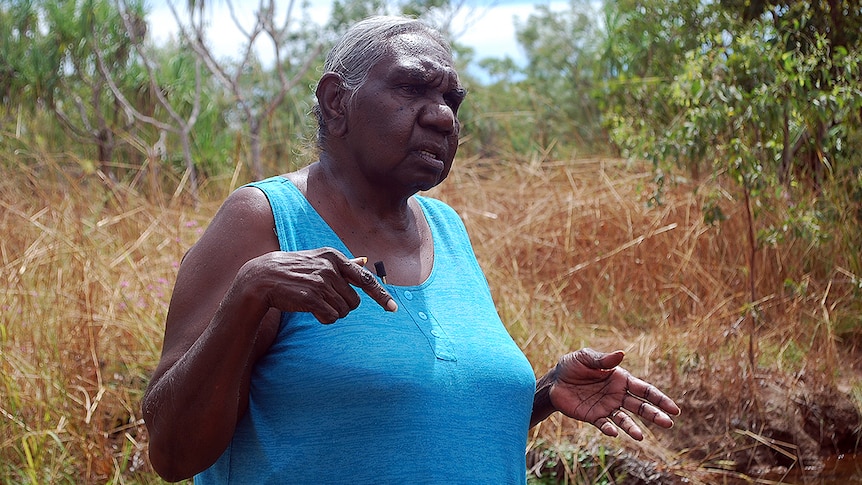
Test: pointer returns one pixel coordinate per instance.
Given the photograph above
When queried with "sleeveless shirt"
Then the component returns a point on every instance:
(434, 393)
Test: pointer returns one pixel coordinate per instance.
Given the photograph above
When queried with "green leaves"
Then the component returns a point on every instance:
(769, 99)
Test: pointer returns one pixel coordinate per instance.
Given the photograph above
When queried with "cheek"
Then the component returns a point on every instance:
(400, 121)
(454, 139)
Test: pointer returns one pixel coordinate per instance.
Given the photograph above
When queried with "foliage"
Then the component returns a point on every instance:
(776, 107)
(87, 268)
(557, 464)
(84, 290)
(22, 71)
(645, 45)
(78, 37)
(765, 95)
(213, 136)
(560, 73)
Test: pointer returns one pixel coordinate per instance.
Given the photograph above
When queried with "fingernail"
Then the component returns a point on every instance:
(391, 306)
(361, 261)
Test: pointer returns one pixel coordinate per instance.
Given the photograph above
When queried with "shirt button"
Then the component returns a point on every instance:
(408, 294)
(445, 355)
(423, 316)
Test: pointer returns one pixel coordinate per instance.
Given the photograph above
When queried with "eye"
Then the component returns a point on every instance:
(454, 98)
(414, 89)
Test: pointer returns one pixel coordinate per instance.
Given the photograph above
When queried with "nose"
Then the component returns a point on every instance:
(439, 116)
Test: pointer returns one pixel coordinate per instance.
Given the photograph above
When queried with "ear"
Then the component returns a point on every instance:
(332, 100)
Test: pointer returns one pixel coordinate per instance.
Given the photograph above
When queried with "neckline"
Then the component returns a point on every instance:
(308, 207)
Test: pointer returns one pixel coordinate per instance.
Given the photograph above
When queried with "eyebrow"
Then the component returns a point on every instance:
(425, 75)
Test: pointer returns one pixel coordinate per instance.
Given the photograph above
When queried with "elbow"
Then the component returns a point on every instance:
(174, 463)
(183, 443)
(167, 451)
(168, 473)
(177, 455)
(166, 459)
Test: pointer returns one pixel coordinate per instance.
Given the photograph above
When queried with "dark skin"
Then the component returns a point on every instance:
(397, 135)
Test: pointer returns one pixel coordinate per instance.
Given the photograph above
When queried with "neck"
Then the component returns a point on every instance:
(368, 223)
(348, 193)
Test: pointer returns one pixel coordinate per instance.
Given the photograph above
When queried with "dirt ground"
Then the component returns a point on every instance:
(761, 426)
(780, 423)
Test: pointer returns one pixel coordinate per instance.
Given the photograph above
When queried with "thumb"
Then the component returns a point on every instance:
(600, 360)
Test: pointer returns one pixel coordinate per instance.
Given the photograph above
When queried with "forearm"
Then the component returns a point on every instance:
(542, 406)
(192, 408)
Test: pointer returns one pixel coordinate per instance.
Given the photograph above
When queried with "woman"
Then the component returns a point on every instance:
(416, 380)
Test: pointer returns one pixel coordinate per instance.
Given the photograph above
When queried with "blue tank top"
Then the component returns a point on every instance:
(435, 393)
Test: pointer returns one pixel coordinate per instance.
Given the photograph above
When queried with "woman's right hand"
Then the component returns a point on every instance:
(316, 281)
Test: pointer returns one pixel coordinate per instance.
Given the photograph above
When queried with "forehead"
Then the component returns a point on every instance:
(416, 54)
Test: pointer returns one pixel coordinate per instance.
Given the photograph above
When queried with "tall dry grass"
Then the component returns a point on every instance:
(573, 252)
(577, 256)
(87, 269)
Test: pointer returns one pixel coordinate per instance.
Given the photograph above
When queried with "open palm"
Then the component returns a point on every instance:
(591, 387)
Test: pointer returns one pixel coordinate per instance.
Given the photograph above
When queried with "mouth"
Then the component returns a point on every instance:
(430, 156)
(433, 158)
(433, 164)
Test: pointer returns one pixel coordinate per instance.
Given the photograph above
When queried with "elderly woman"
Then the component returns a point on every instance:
(416, 379)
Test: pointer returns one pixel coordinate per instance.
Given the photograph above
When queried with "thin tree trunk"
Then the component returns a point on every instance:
(254, 135)
(752, 253)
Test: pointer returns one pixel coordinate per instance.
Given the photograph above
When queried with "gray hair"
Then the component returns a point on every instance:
(362, 47)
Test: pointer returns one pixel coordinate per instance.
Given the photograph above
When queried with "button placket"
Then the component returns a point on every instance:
(428, 325)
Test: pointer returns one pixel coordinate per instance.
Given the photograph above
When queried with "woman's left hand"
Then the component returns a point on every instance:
(590, 386)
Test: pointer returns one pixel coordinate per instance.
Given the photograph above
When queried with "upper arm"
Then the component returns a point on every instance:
(241, 230)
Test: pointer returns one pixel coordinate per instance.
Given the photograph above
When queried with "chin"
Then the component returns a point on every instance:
(431, 185)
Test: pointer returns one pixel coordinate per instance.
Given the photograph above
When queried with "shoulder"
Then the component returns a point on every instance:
(441, 214)
(243, 225)
(247, 206)
(437, 207)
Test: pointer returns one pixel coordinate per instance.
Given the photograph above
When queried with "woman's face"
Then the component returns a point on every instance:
(402, 124)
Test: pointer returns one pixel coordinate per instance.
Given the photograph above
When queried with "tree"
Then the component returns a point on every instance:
(82, 100)
(644, 49)
(257, 95)
(546, 106)
(178, 123)
(768, 96)
(561, 48)
(828, 33)
(19, 71)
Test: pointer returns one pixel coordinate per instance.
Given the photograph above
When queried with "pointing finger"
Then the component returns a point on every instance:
(356, 273)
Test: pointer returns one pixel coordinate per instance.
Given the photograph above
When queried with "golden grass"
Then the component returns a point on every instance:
(577, 257)
(87, 273)
(573, 252)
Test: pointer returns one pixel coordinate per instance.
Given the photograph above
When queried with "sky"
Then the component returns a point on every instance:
(488, 25)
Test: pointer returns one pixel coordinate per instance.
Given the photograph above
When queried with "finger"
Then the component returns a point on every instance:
(647, 411)
(611, 360)
(627, 424)
(357, 275)
(594, 359)
(648, 392)
(361, 261)
(607, 427)
(325, 313)
(330, 294)
(345, 300)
